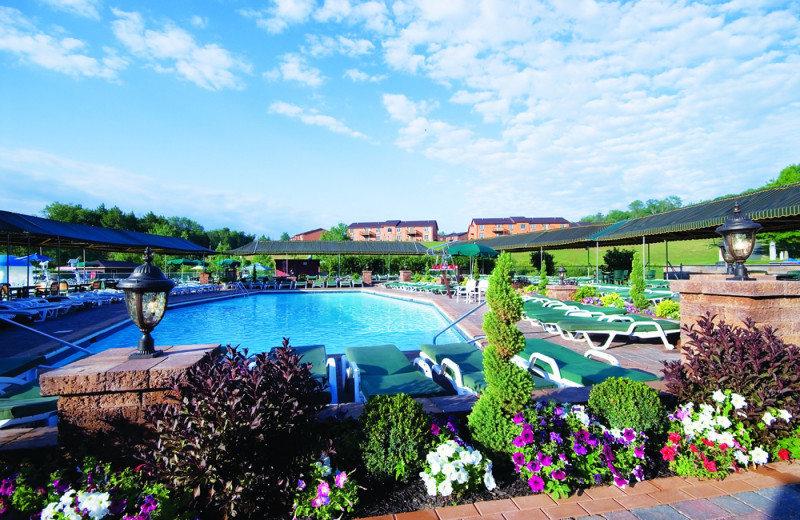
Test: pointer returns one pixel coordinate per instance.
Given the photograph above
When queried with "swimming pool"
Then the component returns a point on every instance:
(260, 322)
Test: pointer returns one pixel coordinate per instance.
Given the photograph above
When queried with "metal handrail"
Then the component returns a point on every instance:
(458, 320)
(48, 336)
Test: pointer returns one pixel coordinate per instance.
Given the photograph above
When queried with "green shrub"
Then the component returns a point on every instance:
(668, 309)
(508, 387)
(543, 281)
(396, 437)
(239, 433)
(585, 291)
(638, 299)
(753, 363)
(612, 300)
(622, 403)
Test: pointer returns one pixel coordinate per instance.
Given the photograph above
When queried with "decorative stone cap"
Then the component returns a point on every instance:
(112, 371)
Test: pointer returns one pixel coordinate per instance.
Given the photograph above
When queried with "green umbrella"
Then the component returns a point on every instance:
(472, 250)
(229, 262)
(184, 261)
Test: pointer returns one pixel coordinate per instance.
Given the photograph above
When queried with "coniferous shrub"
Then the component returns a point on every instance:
(543, 281)
(638, 298)
(239, 433)
(508, 387)
(622, 403)
(753, 363)
(397, 437)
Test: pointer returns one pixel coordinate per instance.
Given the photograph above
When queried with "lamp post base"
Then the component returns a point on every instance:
(145, 348)
(740, 273)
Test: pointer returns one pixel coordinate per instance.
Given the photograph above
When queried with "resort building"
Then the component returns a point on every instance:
(314, 234)
(452, 237)
(394, 230)
(498, 227)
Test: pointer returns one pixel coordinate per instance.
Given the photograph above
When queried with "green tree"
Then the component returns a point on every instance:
(508, 387)
(285, 237)
(337, 233)
(638, 298)
(618, 259)
(788, 175)
(549, 263)
(543, 281)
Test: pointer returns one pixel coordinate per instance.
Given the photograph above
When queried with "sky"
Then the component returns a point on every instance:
(291, 115)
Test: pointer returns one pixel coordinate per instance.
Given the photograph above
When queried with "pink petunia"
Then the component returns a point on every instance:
(340, 479)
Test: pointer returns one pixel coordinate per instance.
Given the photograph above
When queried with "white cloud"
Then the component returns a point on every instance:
(294, 67)
(313, 118)
(280, 14)
(82, 8)
(361, 77)
(20, 37)
(199, 21)
(172, 49)
(327, 46)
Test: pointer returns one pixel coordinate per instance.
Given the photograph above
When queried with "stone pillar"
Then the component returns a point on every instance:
(205, 278)
(767, 302)
(773, 253)
(405, 275)
(366, 277)
(561, 292)
(106, 393)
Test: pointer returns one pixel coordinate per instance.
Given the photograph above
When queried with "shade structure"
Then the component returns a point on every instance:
(36, 257)
(229, 262)
(472, 250)
(184, 261)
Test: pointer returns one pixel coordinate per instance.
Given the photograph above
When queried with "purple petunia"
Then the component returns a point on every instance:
(7, 487)
(579, 449)
(597, 478)
(518, 419)
(150, 504)
(519, 442)
(558, 412)
(435, 429)
(638, 472)
(628, 434)
(518, 458)
(536, 483)
(534, 466)
(555, 437)
(546, 460)
(340, 479)
(301, 484)
(324, 489)
(60, 486)
(638, 451)
(558, 474)
(620, 482)
(527, 435)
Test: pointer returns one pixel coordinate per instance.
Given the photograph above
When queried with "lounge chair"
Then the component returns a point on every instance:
(384, 370)
(579, 329)
(568, 368)
(21, 402)
(462, 365)
(331, 282)
(467, 291)
(322, 367)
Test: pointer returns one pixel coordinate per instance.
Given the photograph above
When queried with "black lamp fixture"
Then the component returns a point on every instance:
(739, 233)
(146, 292)
(727, 257)
(561, 274)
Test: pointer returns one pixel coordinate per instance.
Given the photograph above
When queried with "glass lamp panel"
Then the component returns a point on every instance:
(741, 245)
(130, 305)
(154, 304)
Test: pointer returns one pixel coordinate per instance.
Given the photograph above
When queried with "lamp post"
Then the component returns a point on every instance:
(739, 233)
(146, 292)
(727, 257)
(561, 274)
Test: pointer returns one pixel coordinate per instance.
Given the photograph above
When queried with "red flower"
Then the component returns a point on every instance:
(708, 443)
(693, 448)
(710, 465)
(723, 447)
(668, 452)
(783, 454)
(675, 438)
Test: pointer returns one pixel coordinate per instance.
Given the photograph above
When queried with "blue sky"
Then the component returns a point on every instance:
(292, 115)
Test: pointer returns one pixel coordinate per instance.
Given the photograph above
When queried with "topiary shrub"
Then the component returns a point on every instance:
(397, 437)
(621, 403)
(238, 434)
(751, 362)
(543, 281)
(668, 309)
(585, 291)
(638, 298)
(508, 387)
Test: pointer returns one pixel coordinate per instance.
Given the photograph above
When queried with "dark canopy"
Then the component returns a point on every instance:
(776, 209)
(316, 247)
(22, 230)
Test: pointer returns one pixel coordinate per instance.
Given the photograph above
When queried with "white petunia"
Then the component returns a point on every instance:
(726, 438)
(759, 456)
(738, 401)
(488, 480)
(95, 504)
(741, 458)
(446, 488)
(447, 449)
(785, 415)
(723, 422)
(50, 511)
(768, 419)
(718, 396)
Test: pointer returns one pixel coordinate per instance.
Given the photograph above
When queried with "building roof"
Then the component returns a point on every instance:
(526, 220)
(392, 223)
(327, 247)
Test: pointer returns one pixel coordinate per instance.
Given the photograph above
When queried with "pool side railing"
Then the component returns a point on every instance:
(454, 323)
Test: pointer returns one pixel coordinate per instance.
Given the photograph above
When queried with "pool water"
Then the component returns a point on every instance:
(260, 322)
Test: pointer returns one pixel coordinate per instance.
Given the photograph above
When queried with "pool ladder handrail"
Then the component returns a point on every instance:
(458, 320)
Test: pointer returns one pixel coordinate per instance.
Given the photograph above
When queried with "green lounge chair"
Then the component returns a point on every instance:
(322, 367)
(568, 368)
(384, 370)
(579, 329)
(462, 365)
(22, 403)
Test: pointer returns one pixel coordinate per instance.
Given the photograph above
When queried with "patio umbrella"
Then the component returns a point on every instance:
(472, 251)
(35, 257)
(184, 261)
(229, 262)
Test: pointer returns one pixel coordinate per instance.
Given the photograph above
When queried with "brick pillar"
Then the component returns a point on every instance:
(106, 393)
(561, 292)
(767, 302)
(366, 277)
(405, 276)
